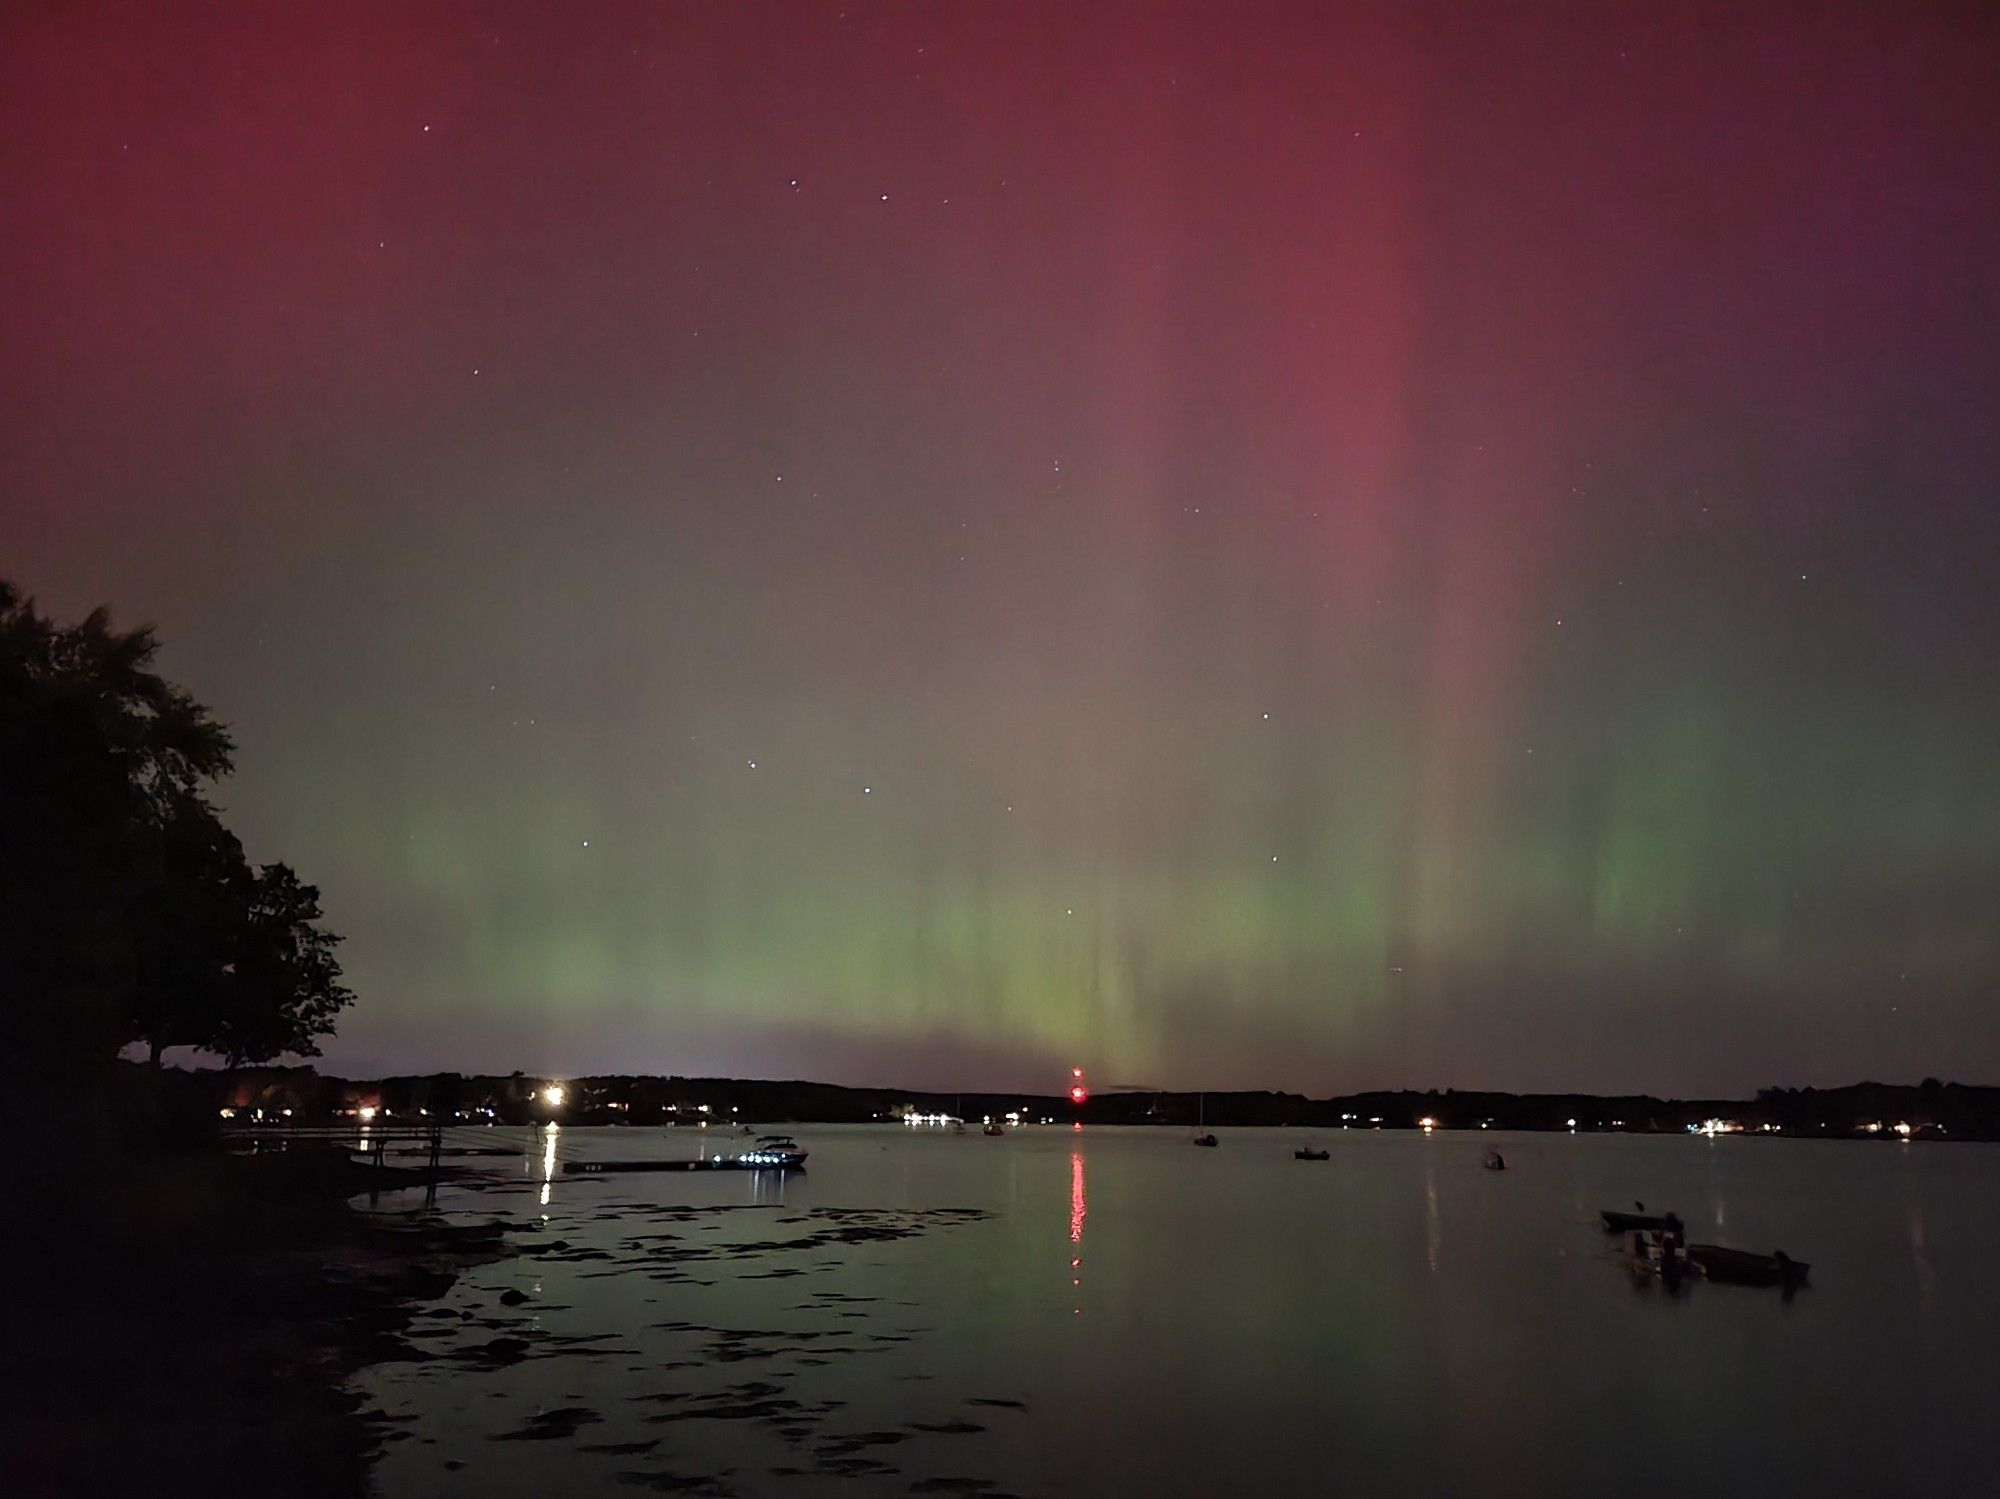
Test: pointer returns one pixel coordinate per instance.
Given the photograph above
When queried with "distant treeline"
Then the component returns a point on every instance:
(1927, 1110)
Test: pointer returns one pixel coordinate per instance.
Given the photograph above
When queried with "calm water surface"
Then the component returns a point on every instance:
(1125, 1314)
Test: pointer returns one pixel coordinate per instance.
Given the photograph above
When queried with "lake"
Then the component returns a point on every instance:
(1062, 1312)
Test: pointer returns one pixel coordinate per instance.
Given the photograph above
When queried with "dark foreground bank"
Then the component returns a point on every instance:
(189, 1321)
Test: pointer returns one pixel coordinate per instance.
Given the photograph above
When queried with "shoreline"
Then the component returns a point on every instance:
(300, 1098)
(208, 1314)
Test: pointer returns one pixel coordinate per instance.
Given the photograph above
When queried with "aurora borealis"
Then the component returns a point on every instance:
(1233, 545)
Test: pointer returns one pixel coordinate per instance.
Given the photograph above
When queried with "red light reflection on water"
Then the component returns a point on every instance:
(1078, 1209)
(1077, 1205)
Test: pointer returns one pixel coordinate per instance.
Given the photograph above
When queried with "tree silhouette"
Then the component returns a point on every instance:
(128, 911)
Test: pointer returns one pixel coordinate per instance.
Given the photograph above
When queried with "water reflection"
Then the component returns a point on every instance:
(1436, 1234)
(548, 1160)
(1079, 1209)
(1926, 1272)
(1077, 1205)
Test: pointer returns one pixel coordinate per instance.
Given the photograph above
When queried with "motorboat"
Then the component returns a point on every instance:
(991, 1128)
(1494, 1161)
(1206, 1140)
(1307, 1153)
(775, 1152)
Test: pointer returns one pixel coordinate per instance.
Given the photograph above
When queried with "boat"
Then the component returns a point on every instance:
(1203, 1137)
(1494, 1161)
(991, 1128)
(1616, 1222)
(776, 1152)
(1742, 1267)
(1307, 1153)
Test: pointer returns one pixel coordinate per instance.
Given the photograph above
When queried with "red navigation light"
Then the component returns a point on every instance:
(1078, 1094)
(1077, 1073)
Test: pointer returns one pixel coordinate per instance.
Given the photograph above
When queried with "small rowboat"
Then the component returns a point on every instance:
(1616, 1222)
(1742, 1267)
(1305, 1153)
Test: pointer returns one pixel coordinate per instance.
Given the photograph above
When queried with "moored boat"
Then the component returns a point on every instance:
(1202, 1135)
(1616, 1222)
(778, 1152)
(1743, 1267)
(1307, 1153)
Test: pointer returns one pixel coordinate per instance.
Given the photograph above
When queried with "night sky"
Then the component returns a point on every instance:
(1233, 545)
